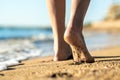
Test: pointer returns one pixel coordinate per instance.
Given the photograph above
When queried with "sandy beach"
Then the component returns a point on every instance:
(105, 67)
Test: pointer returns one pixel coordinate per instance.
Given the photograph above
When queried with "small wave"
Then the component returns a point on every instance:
(16, 61)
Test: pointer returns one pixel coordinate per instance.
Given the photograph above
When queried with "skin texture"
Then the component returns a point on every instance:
(70, 38)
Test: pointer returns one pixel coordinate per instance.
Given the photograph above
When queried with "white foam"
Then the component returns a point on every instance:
(3, 67)
(11, 62)
(24, 56)
(5, 64)
(13, 54)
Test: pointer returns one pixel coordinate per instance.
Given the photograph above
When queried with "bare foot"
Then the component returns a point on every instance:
(77, 44)
(63, 52)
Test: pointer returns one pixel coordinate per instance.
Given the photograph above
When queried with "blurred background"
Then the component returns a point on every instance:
(31, 13)
(34, 14)
(25, 29)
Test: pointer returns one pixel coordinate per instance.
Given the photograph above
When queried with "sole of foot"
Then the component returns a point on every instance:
(79, 50)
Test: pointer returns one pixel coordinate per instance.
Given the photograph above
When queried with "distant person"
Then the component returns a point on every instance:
(70, 40)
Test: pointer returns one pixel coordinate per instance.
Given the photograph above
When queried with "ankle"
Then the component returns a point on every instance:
(74, 25)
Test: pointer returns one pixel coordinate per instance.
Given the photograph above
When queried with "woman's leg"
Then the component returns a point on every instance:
(57, 16)
(73, 34)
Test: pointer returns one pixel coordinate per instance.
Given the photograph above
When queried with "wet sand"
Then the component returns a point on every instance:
(105, 67)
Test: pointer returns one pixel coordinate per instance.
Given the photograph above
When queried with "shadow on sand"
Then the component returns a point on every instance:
(107, 58)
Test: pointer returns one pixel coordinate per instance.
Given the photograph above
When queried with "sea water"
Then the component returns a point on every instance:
(17, 44)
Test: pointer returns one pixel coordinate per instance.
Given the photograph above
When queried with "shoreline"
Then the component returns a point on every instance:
(107, 61)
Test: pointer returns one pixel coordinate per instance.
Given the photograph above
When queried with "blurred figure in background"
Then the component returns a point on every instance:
(70, 40)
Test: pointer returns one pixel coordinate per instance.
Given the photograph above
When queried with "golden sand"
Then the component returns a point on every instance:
(105, 67)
